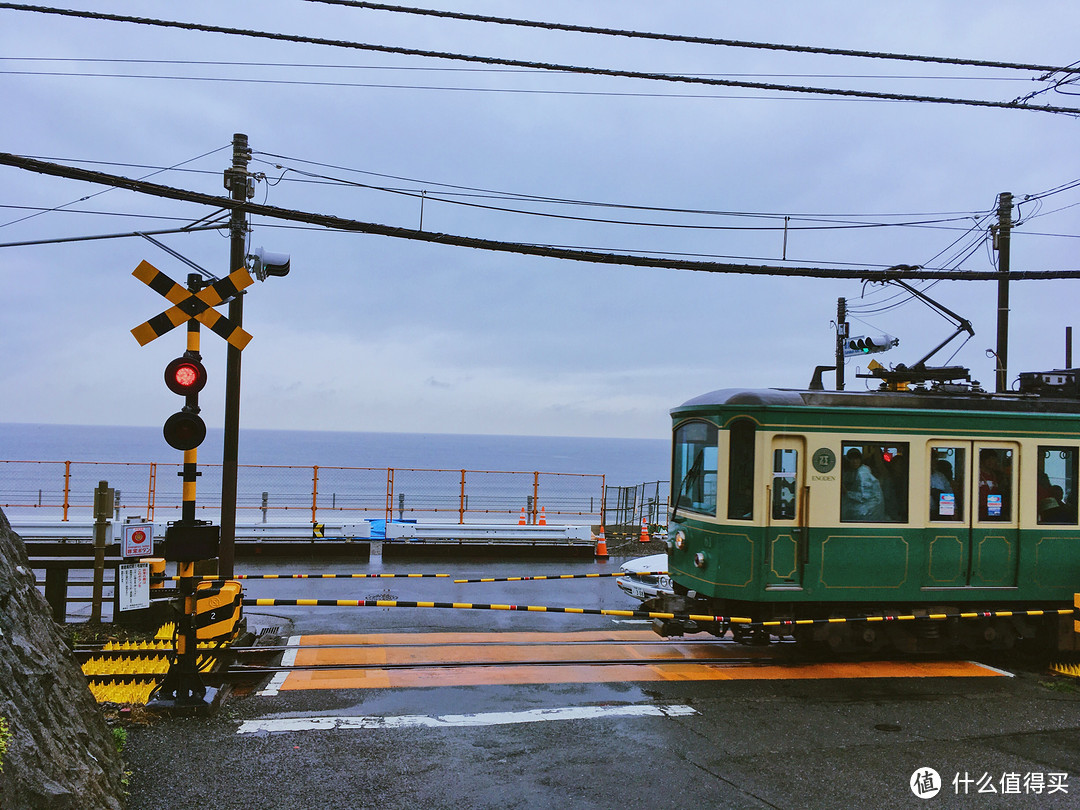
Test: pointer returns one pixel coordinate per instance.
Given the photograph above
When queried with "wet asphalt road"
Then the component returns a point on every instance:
(837, 743)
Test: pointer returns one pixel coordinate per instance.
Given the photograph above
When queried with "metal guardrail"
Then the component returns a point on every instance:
(487, 534)
(80, 532)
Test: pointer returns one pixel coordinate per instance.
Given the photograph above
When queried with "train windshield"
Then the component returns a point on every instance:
(694, 468)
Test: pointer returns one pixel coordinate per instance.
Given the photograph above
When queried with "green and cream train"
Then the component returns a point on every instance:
(792, 505)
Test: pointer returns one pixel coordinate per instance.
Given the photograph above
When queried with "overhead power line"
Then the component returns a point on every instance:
(546, 251)
(573, 69)
(731, 43)
(97, 60)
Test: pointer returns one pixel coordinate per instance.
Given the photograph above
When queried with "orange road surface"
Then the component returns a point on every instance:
(510, 652)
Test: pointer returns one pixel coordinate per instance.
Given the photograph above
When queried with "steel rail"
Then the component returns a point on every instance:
(714, 642)
(731, 662)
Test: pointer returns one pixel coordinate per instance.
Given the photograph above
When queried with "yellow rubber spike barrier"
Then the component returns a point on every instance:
(132, 678)
(1072, 670)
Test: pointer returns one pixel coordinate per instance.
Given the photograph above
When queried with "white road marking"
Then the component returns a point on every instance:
(287, 660)
(992, 669)
(282, 724)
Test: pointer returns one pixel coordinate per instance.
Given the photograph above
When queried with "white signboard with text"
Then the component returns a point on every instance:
(133, 586)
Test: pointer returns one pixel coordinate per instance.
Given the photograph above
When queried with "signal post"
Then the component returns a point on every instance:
(185, 430)
(189, 540)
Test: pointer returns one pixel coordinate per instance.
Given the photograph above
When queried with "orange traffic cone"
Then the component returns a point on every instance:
(601, 544)
(543, 518)
(644, 531)
(521, 519)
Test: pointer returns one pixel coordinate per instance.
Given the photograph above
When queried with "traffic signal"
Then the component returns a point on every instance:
(264, 263)
(869, 345)
(185, 429)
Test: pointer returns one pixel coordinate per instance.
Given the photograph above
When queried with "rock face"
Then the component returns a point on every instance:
(60, 755)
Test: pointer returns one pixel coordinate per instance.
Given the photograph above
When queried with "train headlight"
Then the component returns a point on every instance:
(680, 540)
(699, 559)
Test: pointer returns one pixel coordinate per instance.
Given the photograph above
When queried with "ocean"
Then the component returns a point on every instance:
(625, 462)
(285, 474)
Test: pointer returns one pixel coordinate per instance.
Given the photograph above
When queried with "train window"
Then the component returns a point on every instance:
(1057, 485)
(785, 465)
(995, 484)
(874, 483)
(741, 471)
(948, 472)
(694, 470)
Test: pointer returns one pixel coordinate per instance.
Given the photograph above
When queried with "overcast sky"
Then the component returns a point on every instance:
(375, 333)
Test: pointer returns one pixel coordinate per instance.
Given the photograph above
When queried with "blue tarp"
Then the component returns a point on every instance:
(378, 527)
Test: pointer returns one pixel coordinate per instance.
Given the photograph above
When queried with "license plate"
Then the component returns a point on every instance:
(637, 593)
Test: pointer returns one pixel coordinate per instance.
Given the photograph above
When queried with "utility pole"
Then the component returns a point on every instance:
(1002, 238)
(239, 185)
(841, 336)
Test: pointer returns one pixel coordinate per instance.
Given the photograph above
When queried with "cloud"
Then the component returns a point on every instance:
(373, 333)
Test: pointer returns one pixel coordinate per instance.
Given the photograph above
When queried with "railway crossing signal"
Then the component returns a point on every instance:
(869, 345)
(191, 304)
(185, 429)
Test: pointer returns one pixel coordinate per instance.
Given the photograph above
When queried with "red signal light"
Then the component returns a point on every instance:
(185, 376)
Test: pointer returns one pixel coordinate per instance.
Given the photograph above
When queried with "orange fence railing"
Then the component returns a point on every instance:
(267, 493)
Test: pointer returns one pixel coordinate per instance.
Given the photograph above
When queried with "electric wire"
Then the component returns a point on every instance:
(476, 70)
(599, 220)
(569, 69)
(456, 15)
(502, 246)
(899, 298)
(106, 190)
(511, 195)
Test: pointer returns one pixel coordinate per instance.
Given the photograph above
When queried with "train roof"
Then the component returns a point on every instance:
(961, 399)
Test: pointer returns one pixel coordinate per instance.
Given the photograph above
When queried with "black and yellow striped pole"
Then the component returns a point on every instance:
(190, 684)
(185, 430)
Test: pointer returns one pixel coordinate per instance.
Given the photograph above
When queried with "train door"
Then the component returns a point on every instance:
(786, 533)
(973, 535)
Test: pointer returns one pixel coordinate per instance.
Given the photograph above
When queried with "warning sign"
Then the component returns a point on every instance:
(133, 586)
(138, 540)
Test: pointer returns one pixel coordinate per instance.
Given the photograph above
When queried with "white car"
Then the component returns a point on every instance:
(639, 583)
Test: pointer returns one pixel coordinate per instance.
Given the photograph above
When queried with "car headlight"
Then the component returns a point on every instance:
(680, 540)
(699, 559)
